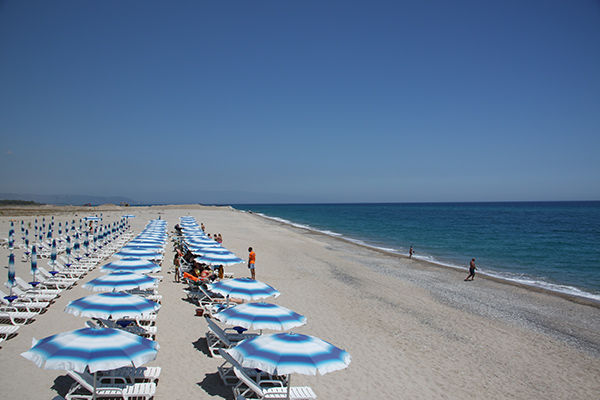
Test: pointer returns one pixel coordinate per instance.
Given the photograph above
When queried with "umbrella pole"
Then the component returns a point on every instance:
(94, 394)
(289, 384)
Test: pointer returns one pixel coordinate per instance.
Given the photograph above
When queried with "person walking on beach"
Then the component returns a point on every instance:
(176, 264)
(472, 269)
(251, 262)
(410, 252)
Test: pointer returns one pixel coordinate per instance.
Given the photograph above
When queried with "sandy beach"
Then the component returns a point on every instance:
(414, 330)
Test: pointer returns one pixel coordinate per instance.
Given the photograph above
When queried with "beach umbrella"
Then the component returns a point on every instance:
(92, 218)
(11, 236)
(92, 348)
(139, 253)
(115, 305)
(68, 251)
(261, 316)
(33, 263)
(128, 216)
(53, 257)
(119, 281)
(131, 264)
(156, 248)
(243, 288)
(288, 353)
(219, 259)
(11, 271)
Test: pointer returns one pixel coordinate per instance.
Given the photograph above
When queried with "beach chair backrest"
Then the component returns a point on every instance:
(85, 381)
(248, 382)
(227, 357)
(220, 333)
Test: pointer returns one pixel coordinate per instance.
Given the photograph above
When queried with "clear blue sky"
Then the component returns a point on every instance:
(301, 101)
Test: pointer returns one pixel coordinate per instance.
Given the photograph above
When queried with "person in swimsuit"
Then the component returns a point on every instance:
(472, 269)
(251, 262)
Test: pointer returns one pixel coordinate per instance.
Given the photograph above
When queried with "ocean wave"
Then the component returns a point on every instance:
(507, 276)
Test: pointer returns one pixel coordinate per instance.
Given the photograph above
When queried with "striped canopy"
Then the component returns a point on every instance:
(96, 349)
(120, 281)
(261, 316)
(131, 264)
(155, 248)
(92, 218)
(147, 254)
(286, 353)
(114, 305)
(243, 288)
(220, 259)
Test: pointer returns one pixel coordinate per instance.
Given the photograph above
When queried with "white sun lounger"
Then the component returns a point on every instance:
(38, 296)
(268, 389)
(84, 388)
(133, 375)
(6, 331)
(41, 288)
(217, 338)
(228, 376)
(16, 317)
(24, 304)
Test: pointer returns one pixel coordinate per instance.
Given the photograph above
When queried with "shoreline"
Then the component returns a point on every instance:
(391, 252)
(411, 327)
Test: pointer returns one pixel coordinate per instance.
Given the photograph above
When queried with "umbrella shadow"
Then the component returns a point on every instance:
(62, 385)
(202, 345)
(213, 385)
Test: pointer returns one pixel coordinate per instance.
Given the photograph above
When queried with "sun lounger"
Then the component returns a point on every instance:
(133, 375)
(117, 388)
(148, 332)
(217, 338)
(39, 296)
(41, 288)
(268, 389)
(228, 376)
(57, 280)
(24, 304)
(7, 331)
(16, 317)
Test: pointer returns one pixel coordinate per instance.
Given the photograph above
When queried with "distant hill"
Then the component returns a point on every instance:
(18, 203)
(65, 199)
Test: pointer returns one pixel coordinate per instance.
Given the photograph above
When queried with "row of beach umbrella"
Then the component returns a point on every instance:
(100, 349)
(280, 353)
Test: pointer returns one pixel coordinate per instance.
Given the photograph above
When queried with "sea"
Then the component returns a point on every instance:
(552, 245)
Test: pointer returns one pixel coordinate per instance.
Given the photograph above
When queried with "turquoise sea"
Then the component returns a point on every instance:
(555, 245)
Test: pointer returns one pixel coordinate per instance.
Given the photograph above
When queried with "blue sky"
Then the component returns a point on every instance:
(301, 101)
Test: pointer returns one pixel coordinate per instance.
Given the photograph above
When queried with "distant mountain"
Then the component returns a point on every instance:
(66, 199)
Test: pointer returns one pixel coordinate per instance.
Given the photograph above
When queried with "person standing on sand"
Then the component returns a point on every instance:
(410, 252)
(251, 262)
(472, 269)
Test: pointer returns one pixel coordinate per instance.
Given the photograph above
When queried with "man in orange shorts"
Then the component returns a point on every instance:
(251, 262)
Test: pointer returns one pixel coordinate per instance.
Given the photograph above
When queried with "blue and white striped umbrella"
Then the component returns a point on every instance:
(243, 288)
(11, 237)
(96, 349)
(11, 270)
(128, 216)
(148, 255)
(131, 264)
(208, 250)
(261, 316)
(115, 305)
(33, 262)
(157, 248)
(53, 254)
(92, 218)
(118, 281)
(220, 259)
(287, 353)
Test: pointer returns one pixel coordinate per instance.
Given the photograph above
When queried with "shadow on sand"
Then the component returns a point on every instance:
(213, 385)
(62, 384)
(202, 345)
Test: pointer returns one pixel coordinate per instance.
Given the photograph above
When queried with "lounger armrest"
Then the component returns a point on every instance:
(268, 383)
(113, 380)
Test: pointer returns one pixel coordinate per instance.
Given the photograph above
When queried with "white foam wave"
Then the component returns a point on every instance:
(521, 279)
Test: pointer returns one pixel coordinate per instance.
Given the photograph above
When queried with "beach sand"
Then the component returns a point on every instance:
(414, 330)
